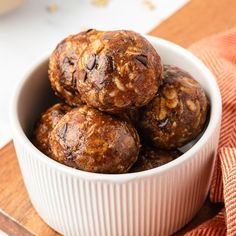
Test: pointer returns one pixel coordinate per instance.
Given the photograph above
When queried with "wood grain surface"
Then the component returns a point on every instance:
(14, 201)
(196, 20)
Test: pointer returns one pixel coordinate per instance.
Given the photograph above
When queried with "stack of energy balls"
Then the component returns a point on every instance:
(122, 110)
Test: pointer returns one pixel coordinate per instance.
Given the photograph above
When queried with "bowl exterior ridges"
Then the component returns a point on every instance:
(153, 205)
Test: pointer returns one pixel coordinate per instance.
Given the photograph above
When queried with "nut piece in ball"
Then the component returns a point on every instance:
(178, 112)
(47, 122)
(151, 157)
(90, 140)
(63, 63)
(119, 71)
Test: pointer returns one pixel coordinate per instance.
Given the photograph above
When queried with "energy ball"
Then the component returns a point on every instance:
(131, 116)
(178, 112)
(90, 140)
(119, 71)
(63, 64)
(46, 123)
(150, 158)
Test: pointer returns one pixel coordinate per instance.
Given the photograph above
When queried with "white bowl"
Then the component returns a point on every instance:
(154, 202)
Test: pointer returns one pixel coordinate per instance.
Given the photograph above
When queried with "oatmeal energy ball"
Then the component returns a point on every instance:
(150, 157)
(90, 140)
(178, 112)
(63, 64)
(118, 71)
(47, 122)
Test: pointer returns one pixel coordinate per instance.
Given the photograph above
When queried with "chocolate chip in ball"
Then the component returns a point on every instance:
(70, 155)
(74, 81)
(68, 60)
(63, 131)
(91, 62)
(87, 31)
(110, 64)
(85, 76)
(142, 59)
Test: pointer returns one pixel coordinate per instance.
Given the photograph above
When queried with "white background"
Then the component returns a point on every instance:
(29, 31)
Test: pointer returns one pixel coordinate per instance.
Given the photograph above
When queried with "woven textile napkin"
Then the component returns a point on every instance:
(219, 54)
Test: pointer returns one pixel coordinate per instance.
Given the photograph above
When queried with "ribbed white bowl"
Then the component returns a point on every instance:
(154, 202)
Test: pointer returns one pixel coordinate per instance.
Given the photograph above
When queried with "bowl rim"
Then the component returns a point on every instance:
(216, 109)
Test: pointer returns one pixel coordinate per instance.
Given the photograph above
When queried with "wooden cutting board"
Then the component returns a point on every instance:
(194, 21)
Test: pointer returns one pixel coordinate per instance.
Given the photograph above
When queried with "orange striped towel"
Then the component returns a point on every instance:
(219, 54)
